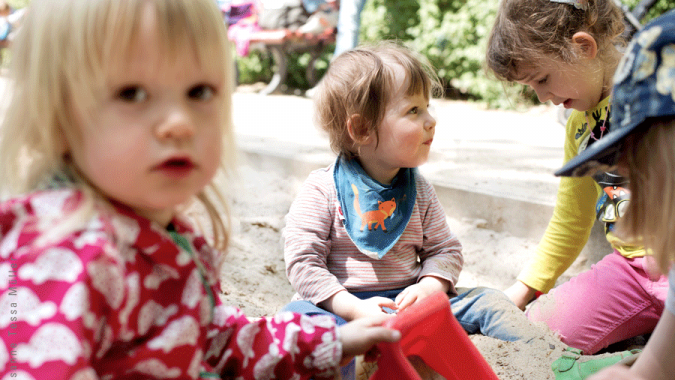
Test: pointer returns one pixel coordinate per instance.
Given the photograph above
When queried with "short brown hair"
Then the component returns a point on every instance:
(360, 81)
(530, 30)
(650, 219)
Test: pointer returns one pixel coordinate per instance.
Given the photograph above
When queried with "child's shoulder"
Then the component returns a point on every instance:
(325, 172)
(47, 223)
(422, 183)
(321, 178)
(46, 206)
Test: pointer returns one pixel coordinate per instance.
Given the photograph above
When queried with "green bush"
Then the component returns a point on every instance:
(661, 7)
(452, 34)
(258, 67)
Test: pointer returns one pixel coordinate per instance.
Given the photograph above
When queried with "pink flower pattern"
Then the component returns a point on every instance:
(119, 299)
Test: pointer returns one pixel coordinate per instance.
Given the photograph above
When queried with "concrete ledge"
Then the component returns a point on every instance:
(518, 213)
(513, 214)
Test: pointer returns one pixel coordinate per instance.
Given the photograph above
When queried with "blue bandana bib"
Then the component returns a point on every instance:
(373, 214)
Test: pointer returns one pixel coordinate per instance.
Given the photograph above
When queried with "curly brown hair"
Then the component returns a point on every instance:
(531, 30)
(360, 82)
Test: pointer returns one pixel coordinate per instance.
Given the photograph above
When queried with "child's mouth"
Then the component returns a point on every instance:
(176, 167)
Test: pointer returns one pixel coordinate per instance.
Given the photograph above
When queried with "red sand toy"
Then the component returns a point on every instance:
(431, 332)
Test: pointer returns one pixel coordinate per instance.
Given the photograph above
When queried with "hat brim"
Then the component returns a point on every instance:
(602, 155)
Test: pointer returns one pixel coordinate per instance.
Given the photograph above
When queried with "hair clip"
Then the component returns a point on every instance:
(578, 4)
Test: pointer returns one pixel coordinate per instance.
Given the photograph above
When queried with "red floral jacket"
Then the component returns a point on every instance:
(120, 298)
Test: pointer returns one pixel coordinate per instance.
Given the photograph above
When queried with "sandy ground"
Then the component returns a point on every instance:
(254, 277)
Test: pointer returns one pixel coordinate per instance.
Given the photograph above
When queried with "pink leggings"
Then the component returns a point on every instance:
(613, 301)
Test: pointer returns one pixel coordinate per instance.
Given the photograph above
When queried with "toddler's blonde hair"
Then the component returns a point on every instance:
(360, 82)
(60, 61)
(650, 219)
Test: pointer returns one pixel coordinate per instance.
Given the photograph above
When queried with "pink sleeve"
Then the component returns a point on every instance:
(53, 325)
(287, 345)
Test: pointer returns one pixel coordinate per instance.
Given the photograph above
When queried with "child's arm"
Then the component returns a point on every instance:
(53, 317)
(655, 362)
(285, 344)
(567, 231)
(441, 254)
(288, 344)
(521, 294)
(307, 241)
(566, 234)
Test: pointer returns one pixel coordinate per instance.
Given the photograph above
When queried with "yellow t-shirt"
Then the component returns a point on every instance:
(579, 202)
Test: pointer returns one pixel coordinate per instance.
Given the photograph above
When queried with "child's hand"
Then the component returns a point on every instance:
(350, 307)
(520, 294)
(371, 307)
(360, 335)
(421, 290)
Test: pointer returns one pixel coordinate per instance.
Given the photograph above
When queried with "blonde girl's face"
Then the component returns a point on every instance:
(405, 134)
(155, 139)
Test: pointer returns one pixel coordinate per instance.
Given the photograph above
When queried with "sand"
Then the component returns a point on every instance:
(253, 277)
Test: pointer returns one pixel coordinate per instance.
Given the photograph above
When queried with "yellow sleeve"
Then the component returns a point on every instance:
(571, 223)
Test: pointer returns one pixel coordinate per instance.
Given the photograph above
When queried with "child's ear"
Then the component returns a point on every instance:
(358, 129)
(586, 43)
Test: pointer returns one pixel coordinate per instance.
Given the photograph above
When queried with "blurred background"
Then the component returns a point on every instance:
(452, 34)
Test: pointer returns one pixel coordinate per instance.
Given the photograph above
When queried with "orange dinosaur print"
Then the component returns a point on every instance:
(377, 217)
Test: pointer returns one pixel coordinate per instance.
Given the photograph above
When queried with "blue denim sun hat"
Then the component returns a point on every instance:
(644, 88)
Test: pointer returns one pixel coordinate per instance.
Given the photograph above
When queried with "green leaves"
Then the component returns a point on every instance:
(452, 34)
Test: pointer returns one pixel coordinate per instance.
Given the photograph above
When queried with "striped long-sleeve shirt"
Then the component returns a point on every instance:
(321, 259)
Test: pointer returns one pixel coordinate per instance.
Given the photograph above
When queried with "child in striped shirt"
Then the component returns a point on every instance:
(367, 235)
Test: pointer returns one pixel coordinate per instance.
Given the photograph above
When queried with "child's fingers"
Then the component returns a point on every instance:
(373, 321)
(400, 296)
(405, 293)
(406, 301)
(360, 335)
(383, 334)
(385, 302)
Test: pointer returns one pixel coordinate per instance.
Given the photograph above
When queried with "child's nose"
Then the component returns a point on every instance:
(430, 123)
(177, 124)
(542, 95)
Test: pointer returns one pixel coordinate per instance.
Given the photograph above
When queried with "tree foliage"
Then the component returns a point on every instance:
(452, 34)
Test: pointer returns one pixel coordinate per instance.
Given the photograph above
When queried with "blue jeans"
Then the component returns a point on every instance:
(478, 310)
(349, 23)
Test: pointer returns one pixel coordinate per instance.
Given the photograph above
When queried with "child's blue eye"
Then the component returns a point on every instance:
(201, 92)
(413, 110)
(133, 94)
